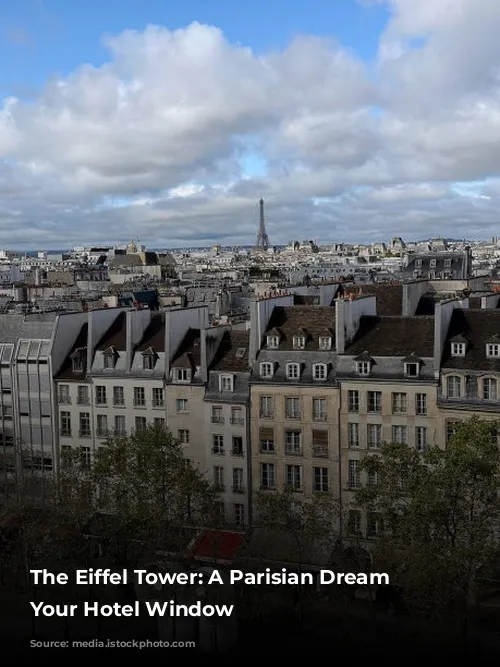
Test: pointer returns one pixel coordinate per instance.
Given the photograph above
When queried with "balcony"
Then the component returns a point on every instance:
(238, 488)
(267, 414)
(218, 451)
(237, 452)
(84, 433)
(320, 451)
(292, 450)
(83, 400)
(102, 403)
(237, 421)
(65, 433)
(292, 415)
(319, 417)
(216, 419)
(119, 402)
(64, 400)
(158, 404)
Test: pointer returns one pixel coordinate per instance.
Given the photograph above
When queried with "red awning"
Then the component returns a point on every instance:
(217, 545)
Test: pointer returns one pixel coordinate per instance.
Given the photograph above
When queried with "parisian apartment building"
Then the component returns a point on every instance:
(294, 397)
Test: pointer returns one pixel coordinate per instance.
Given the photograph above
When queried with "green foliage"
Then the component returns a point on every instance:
(440, 512)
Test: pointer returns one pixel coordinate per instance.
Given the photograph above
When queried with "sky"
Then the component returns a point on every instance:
(166, 121)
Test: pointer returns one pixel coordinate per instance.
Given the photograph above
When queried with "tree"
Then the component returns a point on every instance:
(153, 492)
(440, 512)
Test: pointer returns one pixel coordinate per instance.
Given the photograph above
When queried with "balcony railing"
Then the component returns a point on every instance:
(83, 400)
(291, 450)
(84, 433)
(65, 432)
(64, 400)
(237, 421)
(218, 451)
(238, 488)
(217, 419)
(319, 417)
(237, 452)
(292, 415)
(320, 451)
(266, 414)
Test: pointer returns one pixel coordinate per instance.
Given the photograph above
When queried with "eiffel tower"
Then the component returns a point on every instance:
(262, 238)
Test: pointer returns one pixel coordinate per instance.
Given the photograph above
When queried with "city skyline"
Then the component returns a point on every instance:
(355, 124)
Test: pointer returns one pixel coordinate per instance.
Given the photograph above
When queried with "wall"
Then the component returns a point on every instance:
(347, 317)
(260, 314)
(137, 322)
(490, 300)
(209, 344)
(178, 322)
(442, 316)
(412, 293)
(99, 323)
(327, 293)
(66, 330)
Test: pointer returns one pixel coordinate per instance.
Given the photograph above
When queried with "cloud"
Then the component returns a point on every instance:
(176, 137)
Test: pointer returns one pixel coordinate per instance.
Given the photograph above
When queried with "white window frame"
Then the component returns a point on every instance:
(451, 394)
(493, 350)
(400, 434)
(486, 382)
(226, 383)
(353, 435)
(320, 372)
(458, 349)
(266, 369)
(421, 438)
(299, 342)
(325, 343)
(408, 364)
(273, 342)
(363, 368)
(182, 375)
(293, 371)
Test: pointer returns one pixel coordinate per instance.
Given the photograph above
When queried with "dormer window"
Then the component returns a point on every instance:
(412, 369)
(149, 358)
(363, 367)
(320, 371)
(325, 343)
(458, 349)
(182, 375)
(266, 370)
(77, 364)
(109, 358)
(432, 263)
(226, 382)
(493, 350)
(299, 342)
(273, 342)
(292, 371)
(78, 360)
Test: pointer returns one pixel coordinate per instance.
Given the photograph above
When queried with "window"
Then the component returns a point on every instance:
(447, 263)
(226, 382)
(399, 434)
(78, 364)
(64, 393)
(374, 435)
(458, 349)
(109, 360)
(325, 343)
(266, 410)
(450, 429)
(320, 443)
(412, 369)
(181, 405)
(118, 396)
(148, 361)
(273, 342)
(398, 403)
(218, 445)
(100, 396)
(267, 476)
(182, 375)
(299, 342)
(139, 397)
(159, 422)
(266, 370)
(354, 522)
(363, 367)
(183, 436)
(120, 425)
(85, 456)
(454, 386)
(493, 350)
(140, 424)
(374, 522)
(320, 479)
(65, 423)
(372, 478)
(374, 401)
(239, 514)
(292, 408)
(217, 417)
(319, 371)
(266, 437)
(319, 409)
(158, 400)
(102, 426)
(421, 438)
(82, 395)
(353, 434)
(237, 448)
(353, 400)
(219, 478)
(221, 511)
(293, 443)
(293, 371)
(354, 475)
(490, 389)
(293, 475)
(418, 263)
(238, 484)
(84, 430)
(432, 263)
(237, 418)
(421, 404)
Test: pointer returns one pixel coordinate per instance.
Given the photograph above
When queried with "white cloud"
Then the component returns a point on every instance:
(163, 142)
